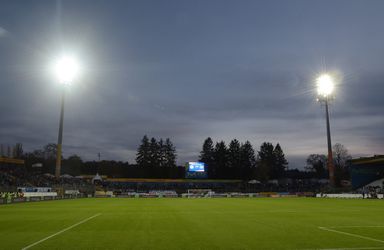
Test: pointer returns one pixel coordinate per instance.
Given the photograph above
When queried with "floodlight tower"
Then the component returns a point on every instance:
(325, 86)
(66, 70)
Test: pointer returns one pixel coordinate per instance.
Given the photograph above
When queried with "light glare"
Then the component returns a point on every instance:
(66, 69)
(325, 85)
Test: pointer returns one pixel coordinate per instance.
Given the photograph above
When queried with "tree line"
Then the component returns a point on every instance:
(239, 160)
(153, 153)
(157, 159)
(43, 160)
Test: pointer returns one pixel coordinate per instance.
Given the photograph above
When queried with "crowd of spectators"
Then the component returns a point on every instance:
(12, 176)
(371, 191)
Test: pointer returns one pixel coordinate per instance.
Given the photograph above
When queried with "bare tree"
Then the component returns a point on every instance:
(341, 158)
(18, 150)
(340, 155)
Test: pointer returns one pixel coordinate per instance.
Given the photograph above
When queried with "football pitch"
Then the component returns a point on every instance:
(216, 223)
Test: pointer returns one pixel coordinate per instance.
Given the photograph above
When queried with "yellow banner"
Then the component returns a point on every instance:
(11, 160)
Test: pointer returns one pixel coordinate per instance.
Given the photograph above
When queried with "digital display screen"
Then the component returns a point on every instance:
(196, 166)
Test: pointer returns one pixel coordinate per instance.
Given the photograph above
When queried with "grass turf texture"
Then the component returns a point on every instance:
(217, 223)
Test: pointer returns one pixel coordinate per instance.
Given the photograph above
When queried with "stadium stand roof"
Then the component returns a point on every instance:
(368, 160)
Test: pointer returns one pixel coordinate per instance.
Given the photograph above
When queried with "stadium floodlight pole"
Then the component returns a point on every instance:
(325, 86)
(66, 69)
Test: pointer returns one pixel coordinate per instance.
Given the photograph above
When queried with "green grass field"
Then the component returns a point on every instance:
(217, 223)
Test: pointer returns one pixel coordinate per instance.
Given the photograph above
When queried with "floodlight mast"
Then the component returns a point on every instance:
(60, 137)
(325, 87)
(66, 70)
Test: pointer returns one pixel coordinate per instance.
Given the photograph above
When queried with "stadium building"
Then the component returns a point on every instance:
(368, 171)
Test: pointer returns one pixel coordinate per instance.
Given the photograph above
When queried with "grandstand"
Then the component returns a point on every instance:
(12, 173)
(15, 179)
(17, 184)
(367, 171)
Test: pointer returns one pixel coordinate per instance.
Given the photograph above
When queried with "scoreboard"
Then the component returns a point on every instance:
(196, 167)
(195, 170)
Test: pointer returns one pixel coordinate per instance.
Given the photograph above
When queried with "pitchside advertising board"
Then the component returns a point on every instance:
(195, 170)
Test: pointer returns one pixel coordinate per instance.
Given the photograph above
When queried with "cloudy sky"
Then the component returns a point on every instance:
(192, 69)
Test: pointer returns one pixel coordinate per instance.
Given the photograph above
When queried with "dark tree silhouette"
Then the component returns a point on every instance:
(340, 155)
(247, 160)
(18, 151)
(143, 153)
(280, 163)
(50, 151)
(271, 162)
(220, 157)
(154, 153)
(170, 154)
(72, 165)
(318, 164)
(340, 159)
(162, 153)
(265, 161)
(234, 155)
(207, 156)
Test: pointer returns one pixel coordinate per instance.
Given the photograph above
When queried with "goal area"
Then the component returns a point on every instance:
(199, 193)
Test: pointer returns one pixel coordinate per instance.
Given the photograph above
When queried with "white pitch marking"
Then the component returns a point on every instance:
(62, 231)
(349, 234)
(354, 226)
(353, 248)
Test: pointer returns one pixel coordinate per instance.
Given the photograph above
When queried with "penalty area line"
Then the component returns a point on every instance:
(60, 232)
(350, 234)
(356, 226)
(352, 248)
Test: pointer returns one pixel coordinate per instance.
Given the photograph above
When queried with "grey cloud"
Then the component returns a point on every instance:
(3, 32)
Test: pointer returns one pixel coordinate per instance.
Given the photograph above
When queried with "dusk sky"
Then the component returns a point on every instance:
(192, 69)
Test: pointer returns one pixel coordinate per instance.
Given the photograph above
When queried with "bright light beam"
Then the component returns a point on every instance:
(325, 85)
(66, 69)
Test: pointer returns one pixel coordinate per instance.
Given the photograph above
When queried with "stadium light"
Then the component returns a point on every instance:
(325, 88)
(325, 85)
(66, 70)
